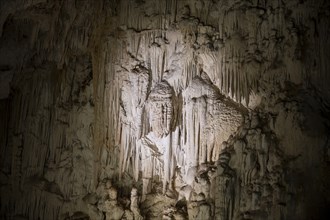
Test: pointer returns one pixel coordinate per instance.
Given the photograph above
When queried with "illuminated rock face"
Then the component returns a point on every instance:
(164, 109)
(160, 107)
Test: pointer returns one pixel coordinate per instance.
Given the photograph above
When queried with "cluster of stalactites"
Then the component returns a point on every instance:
(162, 131)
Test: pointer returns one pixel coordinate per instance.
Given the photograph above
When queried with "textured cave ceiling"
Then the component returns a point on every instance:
(164, 109)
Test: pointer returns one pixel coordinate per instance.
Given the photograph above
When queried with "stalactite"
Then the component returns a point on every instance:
(162, 106)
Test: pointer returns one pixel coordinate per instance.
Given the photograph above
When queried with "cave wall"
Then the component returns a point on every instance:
(169, 109)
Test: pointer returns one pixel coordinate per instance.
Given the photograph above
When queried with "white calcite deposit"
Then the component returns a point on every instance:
(164, 109)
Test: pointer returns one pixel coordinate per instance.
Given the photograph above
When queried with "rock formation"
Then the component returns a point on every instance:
(164, 109)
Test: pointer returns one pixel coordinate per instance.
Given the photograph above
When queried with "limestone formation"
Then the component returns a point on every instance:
(164, 109)
(111, 207)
